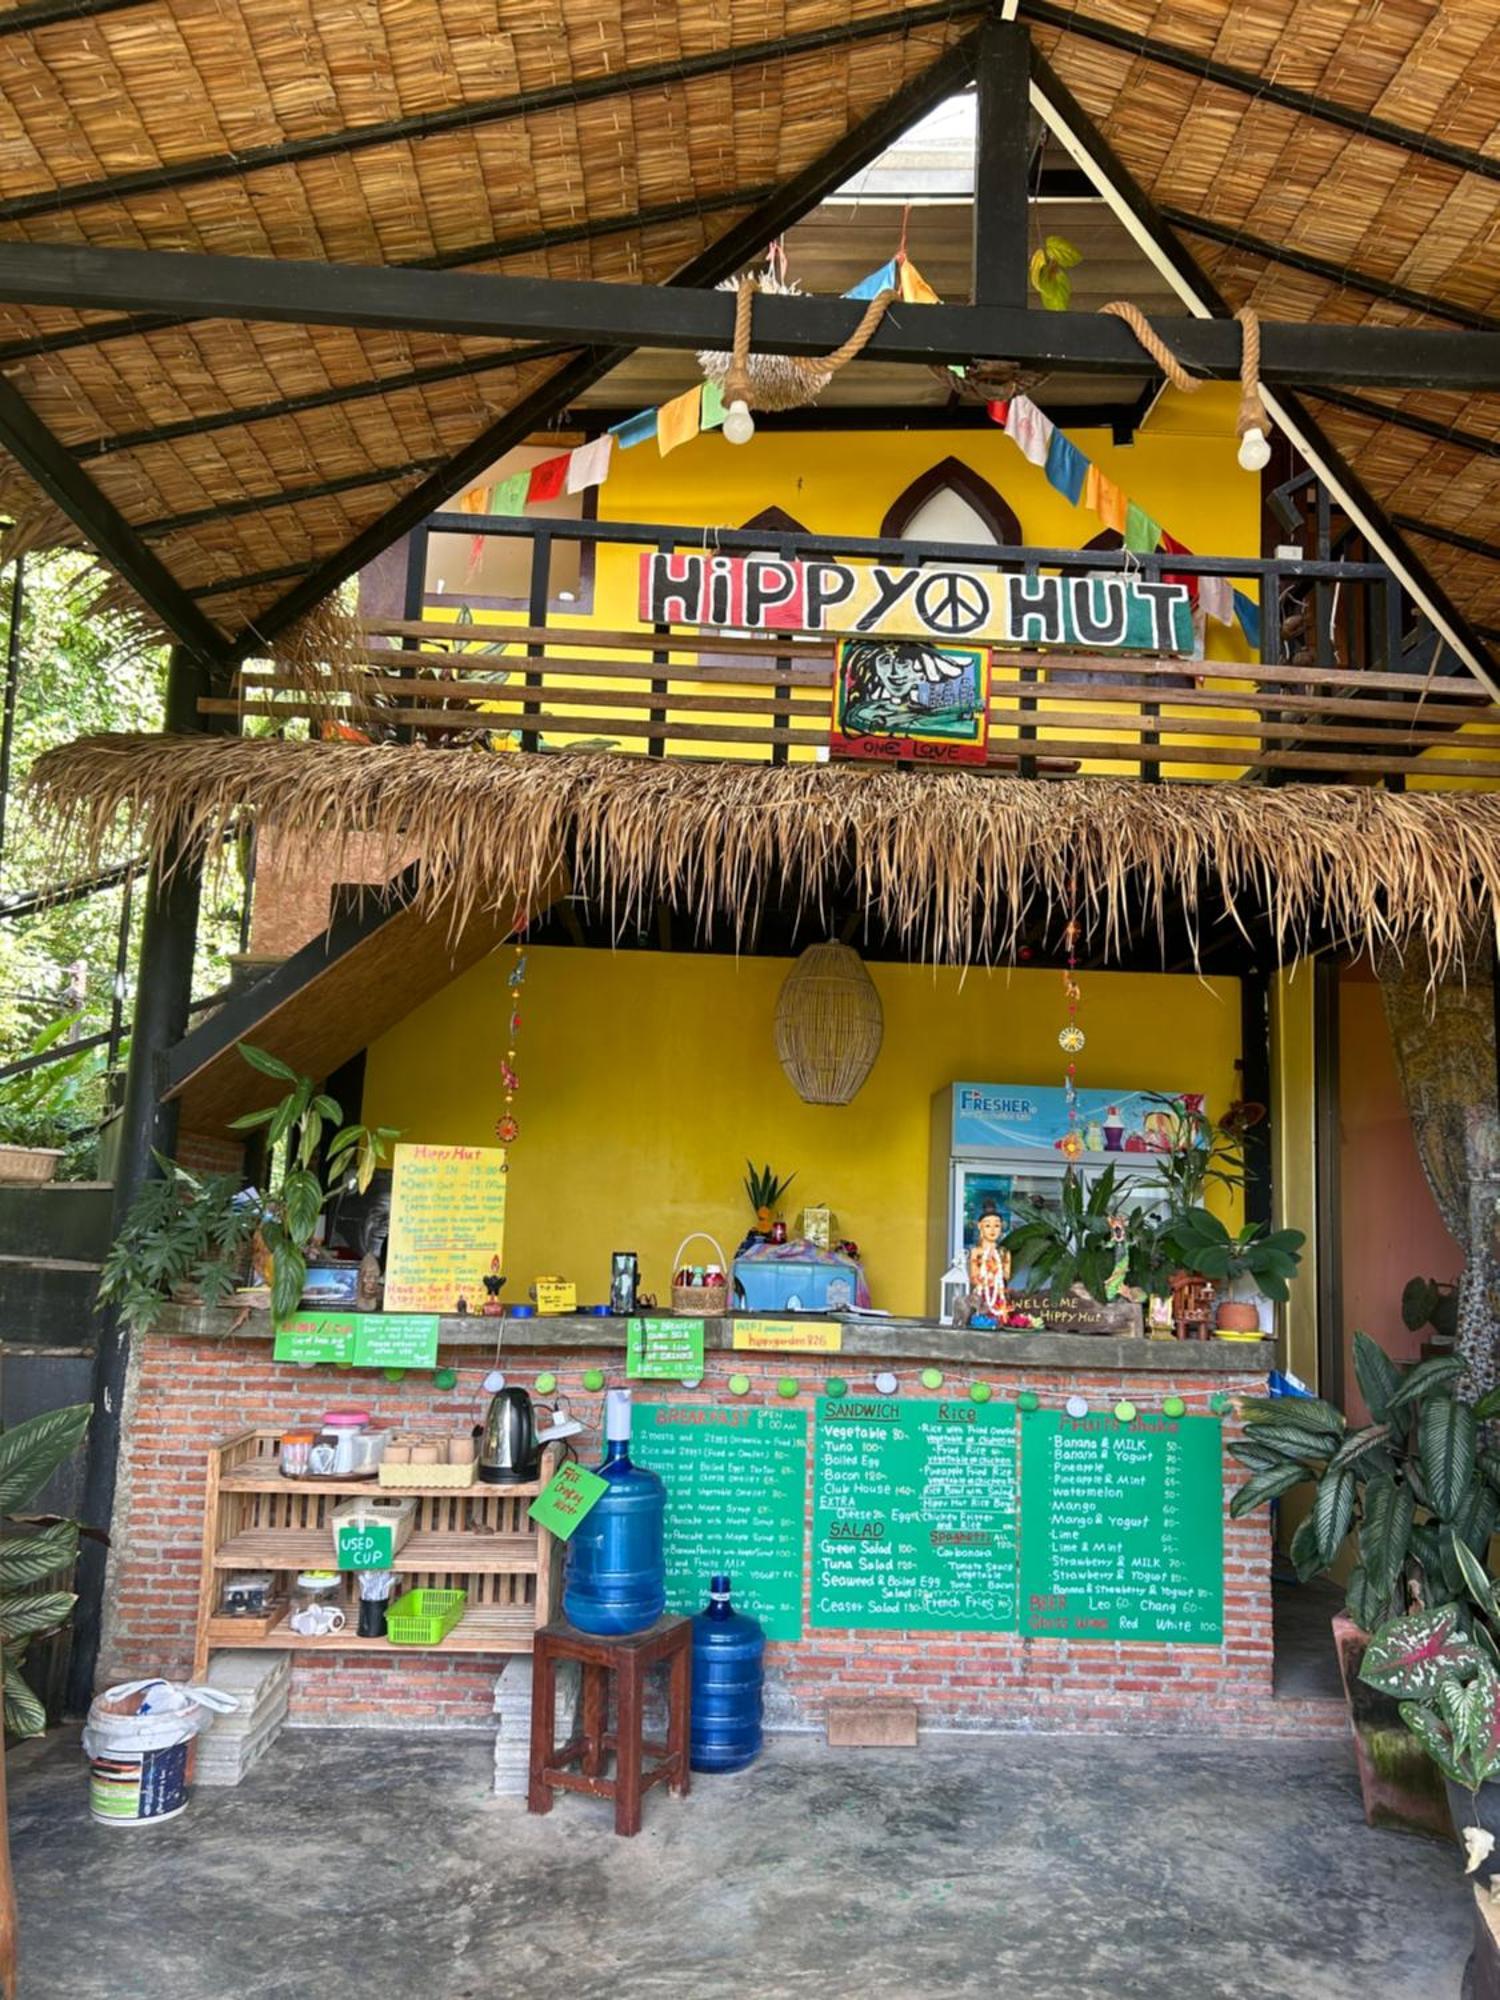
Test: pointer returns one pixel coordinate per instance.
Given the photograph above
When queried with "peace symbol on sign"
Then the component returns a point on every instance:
(952, 602)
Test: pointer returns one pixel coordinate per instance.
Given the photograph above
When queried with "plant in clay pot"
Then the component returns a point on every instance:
(1251, 1256)
(765, 1192)
(1083, 1241)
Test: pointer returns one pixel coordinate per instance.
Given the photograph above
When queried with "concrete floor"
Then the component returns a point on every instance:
(375, 1867)
(1302, 1617)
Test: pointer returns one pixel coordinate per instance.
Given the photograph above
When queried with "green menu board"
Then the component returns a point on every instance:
(914, 1514)
(736, 1481)
(1122, 1528)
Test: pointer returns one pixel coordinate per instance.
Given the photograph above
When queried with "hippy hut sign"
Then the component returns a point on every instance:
(994, 607)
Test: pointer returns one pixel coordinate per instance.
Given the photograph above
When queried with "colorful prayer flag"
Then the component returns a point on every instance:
(677, 421)
(1030, 429)
(1066, 467)
(711, 411)
(548, 478)
(914, 287)
(589, 465)
(1141, 533)
(635, 430)
(1248, 613)
(883, 280)
(1102, 497)
(475, 501)
(998, 412)
(509, 497)
(1175, 548)
(1217, 599)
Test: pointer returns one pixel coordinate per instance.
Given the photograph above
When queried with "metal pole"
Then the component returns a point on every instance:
(12, 684)
(164, 989)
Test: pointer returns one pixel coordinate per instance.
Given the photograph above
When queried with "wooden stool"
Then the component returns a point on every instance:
(627, 1658)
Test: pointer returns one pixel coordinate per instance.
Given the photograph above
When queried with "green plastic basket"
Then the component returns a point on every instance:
(424, 1617)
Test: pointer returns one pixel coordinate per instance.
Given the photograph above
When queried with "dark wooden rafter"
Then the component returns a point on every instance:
(568, 95)
(1266, 90)
(689, 316)
(34, 14)
(284, 496)
(68, 486)
(1002, 165)
(745, 239)
(1450, 537)
(1407, 420)
(1114, 174)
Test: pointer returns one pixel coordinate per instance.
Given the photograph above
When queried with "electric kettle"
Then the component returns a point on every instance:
(509, 1451)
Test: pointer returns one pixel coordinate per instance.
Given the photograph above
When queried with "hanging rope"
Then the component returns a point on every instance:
(1252, 411)
(813, 373)
(1154, 345)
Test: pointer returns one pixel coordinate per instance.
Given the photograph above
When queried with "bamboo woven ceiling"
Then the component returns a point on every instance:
(1335, 160)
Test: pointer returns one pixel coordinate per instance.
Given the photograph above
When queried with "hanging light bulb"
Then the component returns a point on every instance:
(739, 425)
(1255, 449)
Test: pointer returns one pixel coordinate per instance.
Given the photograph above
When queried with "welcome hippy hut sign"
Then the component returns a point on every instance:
(914, 652)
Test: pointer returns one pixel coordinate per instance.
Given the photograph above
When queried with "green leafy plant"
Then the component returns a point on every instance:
(48, 1106)
(1268, 1257)
(186, 1233)
(764, 1189)
(1205, 1153)
(1048, 272)
(1429, 1302)
(298, 1120)
(1413, 1485)
(1074, 1240)
(32, 1551)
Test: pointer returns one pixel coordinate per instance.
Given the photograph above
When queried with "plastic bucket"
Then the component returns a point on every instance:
(141, 1788)
(137, 1740)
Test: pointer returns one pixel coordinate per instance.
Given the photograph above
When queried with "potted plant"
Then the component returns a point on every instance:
(765, 1192)
(1440, 1664)
(185, 1236)
(1409, 1486)
(42, 1110)
(1084, 1242)
(1249, 1257)
(289, 1215)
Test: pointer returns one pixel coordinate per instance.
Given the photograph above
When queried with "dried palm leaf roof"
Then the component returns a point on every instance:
(1327, 159)
(955, 864)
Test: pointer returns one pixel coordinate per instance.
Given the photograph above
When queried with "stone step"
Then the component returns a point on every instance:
(47, 1302)
(59, 1219)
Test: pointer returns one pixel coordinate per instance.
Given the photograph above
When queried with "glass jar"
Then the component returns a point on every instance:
(296, 1452)
(250, 1594)
(318, 1604)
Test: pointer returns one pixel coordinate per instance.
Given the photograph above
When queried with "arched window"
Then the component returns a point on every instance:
(951, 503)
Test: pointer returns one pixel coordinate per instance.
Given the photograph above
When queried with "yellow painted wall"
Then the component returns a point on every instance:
(1294, 1156)
(647, 1078)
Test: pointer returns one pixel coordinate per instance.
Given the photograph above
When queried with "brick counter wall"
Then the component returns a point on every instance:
(182, 1395)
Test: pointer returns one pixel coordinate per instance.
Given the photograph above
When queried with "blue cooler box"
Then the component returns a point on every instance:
(819, 1284)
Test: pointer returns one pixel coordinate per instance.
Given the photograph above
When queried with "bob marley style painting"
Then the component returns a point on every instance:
(908, 699)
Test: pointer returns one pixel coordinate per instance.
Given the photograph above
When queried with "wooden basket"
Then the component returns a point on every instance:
(701, 1301)
(456, 1476)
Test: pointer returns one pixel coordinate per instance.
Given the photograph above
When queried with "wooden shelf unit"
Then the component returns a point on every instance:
(474, 1538)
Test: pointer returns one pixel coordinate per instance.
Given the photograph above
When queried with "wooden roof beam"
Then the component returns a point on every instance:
(587, 312)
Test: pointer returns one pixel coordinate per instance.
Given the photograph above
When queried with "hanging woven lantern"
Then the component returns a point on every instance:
(828, 1024)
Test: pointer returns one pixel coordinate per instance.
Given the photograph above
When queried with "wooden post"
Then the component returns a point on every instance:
(1002, 163)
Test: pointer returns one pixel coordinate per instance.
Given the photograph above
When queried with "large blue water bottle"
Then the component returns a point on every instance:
(728, 1654)
(616, 1577)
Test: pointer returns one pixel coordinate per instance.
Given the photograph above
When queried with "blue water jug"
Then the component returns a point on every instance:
(728, 1654)
(616, 1579)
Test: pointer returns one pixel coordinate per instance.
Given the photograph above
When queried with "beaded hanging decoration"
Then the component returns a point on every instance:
(507, 1128)
(1071, 1040)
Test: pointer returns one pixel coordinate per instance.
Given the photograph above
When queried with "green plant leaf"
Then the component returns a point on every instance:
(268, 1065)
(41, 1611)
(1366, 1605)
(1475, 1576)
(1357, 1444)
(1409, 1656)
(1307, 1557)
(1425, 1377)
(1333, 1510)
(249, 1120)
(1378, 1376)
(24, 1713)
(1434, 1739)
(1266, 1486)
(1419, 1297)
(27, 1558)
(1295, 1441)
(1446, 1439)
(1308, 1413)
(31, 1452)
(1488, 1405)
(1384, 1531)
(1260, 1458)
(288, 1277)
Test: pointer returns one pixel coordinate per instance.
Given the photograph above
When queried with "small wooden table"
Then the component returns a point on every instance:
(628, 1658)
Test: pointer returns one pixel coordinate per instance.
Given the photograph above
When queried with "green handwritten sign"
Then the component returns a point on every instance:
(395, 1340)
(314, 1336)
(365, 1545)
(1122, 1528)
(566, 1498)
(663, 1349)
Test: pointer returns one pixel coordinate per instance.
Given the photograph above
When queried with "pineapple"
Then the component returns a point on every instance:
(765, 1192)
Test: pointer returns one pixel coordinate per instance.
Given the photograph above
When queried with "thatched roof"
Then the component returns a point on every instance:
(1325, 159)
(957, 864)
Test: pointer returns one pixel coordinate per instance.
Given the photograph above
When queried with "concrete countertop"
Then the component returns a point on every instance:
(880, 1339)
